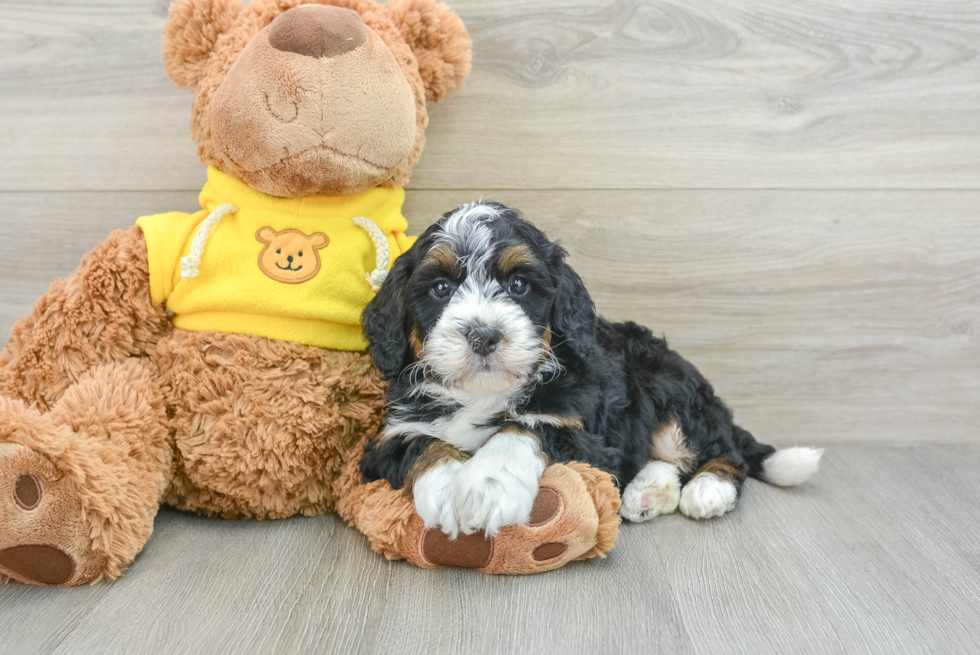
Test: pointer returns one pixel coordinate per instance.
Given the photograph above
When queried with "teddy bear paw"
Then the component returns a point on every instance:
(42, 535)
(574, 516)
(476, 550)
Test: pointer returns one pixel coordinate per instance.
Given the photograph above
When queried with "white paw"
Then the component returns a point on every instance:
(654, 491)
(707, 496)
(497, 487)
(433, 493)
(492, 501)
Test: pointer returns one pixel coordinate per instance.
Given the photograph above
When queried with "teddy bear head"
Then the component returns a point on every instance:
(311, 97)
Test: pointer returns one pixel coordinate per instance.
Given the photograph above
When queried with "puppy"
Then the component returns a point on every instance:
(498, 364)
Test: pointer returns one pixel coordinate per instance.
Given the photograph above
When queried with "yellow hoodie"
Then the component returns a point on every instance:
(295, 269)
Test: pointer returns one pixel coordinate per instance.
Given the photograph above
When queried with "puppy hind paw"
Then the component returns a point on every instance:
(654, 491)
(707, 496)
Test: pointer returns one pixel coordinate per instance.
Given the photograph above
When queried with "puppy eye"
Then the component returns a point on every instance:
(279, 252)
(518, 286)
(300, 253)
(441, 289)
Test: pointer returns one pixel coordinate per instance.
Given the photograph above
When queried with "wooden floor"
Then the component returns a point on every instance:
(789, 190)
(878, 554)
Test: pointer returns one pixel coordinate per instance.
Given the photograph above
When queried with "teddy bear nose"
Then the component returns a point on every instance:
(317, 31)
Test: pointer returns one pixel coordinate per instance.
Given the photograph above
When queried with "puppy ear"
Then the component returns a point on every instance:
(385, 320)
(190, 35)
(439, 40)
(573, 317)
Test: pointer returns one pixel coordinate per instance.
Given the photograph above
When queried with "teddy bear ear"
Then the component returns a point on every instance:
(439, 40)
(190, 35)
(265, 235)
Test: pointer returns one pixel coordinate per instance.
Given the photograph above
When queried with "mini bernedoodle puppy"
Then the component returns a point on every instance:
(499, 364)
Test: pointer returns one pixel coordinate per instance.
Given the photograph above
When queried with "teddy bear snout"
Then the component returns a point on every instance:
(317, 31)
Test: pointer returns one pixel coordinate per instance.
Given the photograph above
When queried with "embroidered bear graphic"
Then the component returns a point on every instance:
(290, 256)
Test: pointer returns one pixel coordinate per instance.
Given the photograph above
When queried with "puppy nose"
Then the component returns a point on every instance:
(289, 259)
(317, 31)
(484, 340)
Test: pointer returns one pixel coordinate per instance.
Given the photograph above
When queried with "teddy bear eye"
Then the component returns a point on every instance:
(300, 253)
(279, 251)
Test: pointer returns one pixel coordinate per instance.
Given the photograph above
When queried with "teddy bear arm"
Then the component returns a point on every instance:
(101, 313)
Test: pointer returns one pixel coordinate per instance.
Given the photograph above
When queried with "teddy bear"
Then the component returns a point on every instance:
(214, 360)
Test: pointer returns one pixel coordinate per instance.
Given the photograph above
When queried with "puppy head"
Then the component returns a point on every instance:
(482, 301)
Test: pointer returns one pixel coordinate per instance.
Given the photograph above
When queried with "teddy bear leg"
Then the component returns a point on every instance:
(81, 484)
(575, 516)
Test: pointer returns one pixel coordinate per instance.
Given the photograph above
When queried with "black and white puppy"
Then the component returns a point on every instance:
(498, 365)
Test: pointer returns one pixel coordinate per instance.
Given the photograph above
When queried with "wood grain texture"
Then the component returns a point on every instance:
(821, 317)
(877, 554)
(566, 94)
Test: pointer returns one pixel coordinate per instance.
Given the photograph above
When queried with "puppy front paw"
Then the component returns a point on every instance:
(489, 499)
(434, 500)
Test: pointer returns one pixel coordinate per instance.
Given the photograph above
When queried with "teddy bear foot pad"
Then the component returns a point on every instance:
(475, 551)
(42, 538)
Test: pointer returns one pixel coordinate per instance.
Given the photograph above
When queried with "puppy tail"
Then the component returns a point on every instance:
(783, 468)
(791, 466)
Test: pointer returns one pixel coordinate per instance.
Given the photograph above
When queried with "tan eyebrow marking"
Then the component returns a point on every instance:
(442, 257)
(516, 256)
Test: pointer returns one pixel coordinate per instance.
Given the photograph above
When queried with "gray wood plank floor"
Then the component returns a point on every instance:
(877, 554)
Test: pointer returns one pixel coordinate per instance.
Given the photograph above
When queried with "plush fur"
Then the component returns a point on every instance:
(107, 410)
(499, 363)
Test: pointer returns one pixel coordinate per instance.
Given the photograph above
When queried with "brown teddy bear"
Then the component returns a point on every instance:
(214, 361)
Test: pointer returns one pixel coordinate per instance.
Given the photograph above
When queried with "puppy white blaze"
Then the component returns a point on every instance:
(468, 232)
(497, 486)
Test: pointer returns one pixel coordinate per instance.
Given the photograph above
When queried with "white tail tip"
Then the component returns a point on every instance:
(790, 466)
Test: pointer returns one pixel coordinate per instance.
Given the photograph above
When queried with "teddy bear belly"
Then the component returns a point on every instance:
(262, 428)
